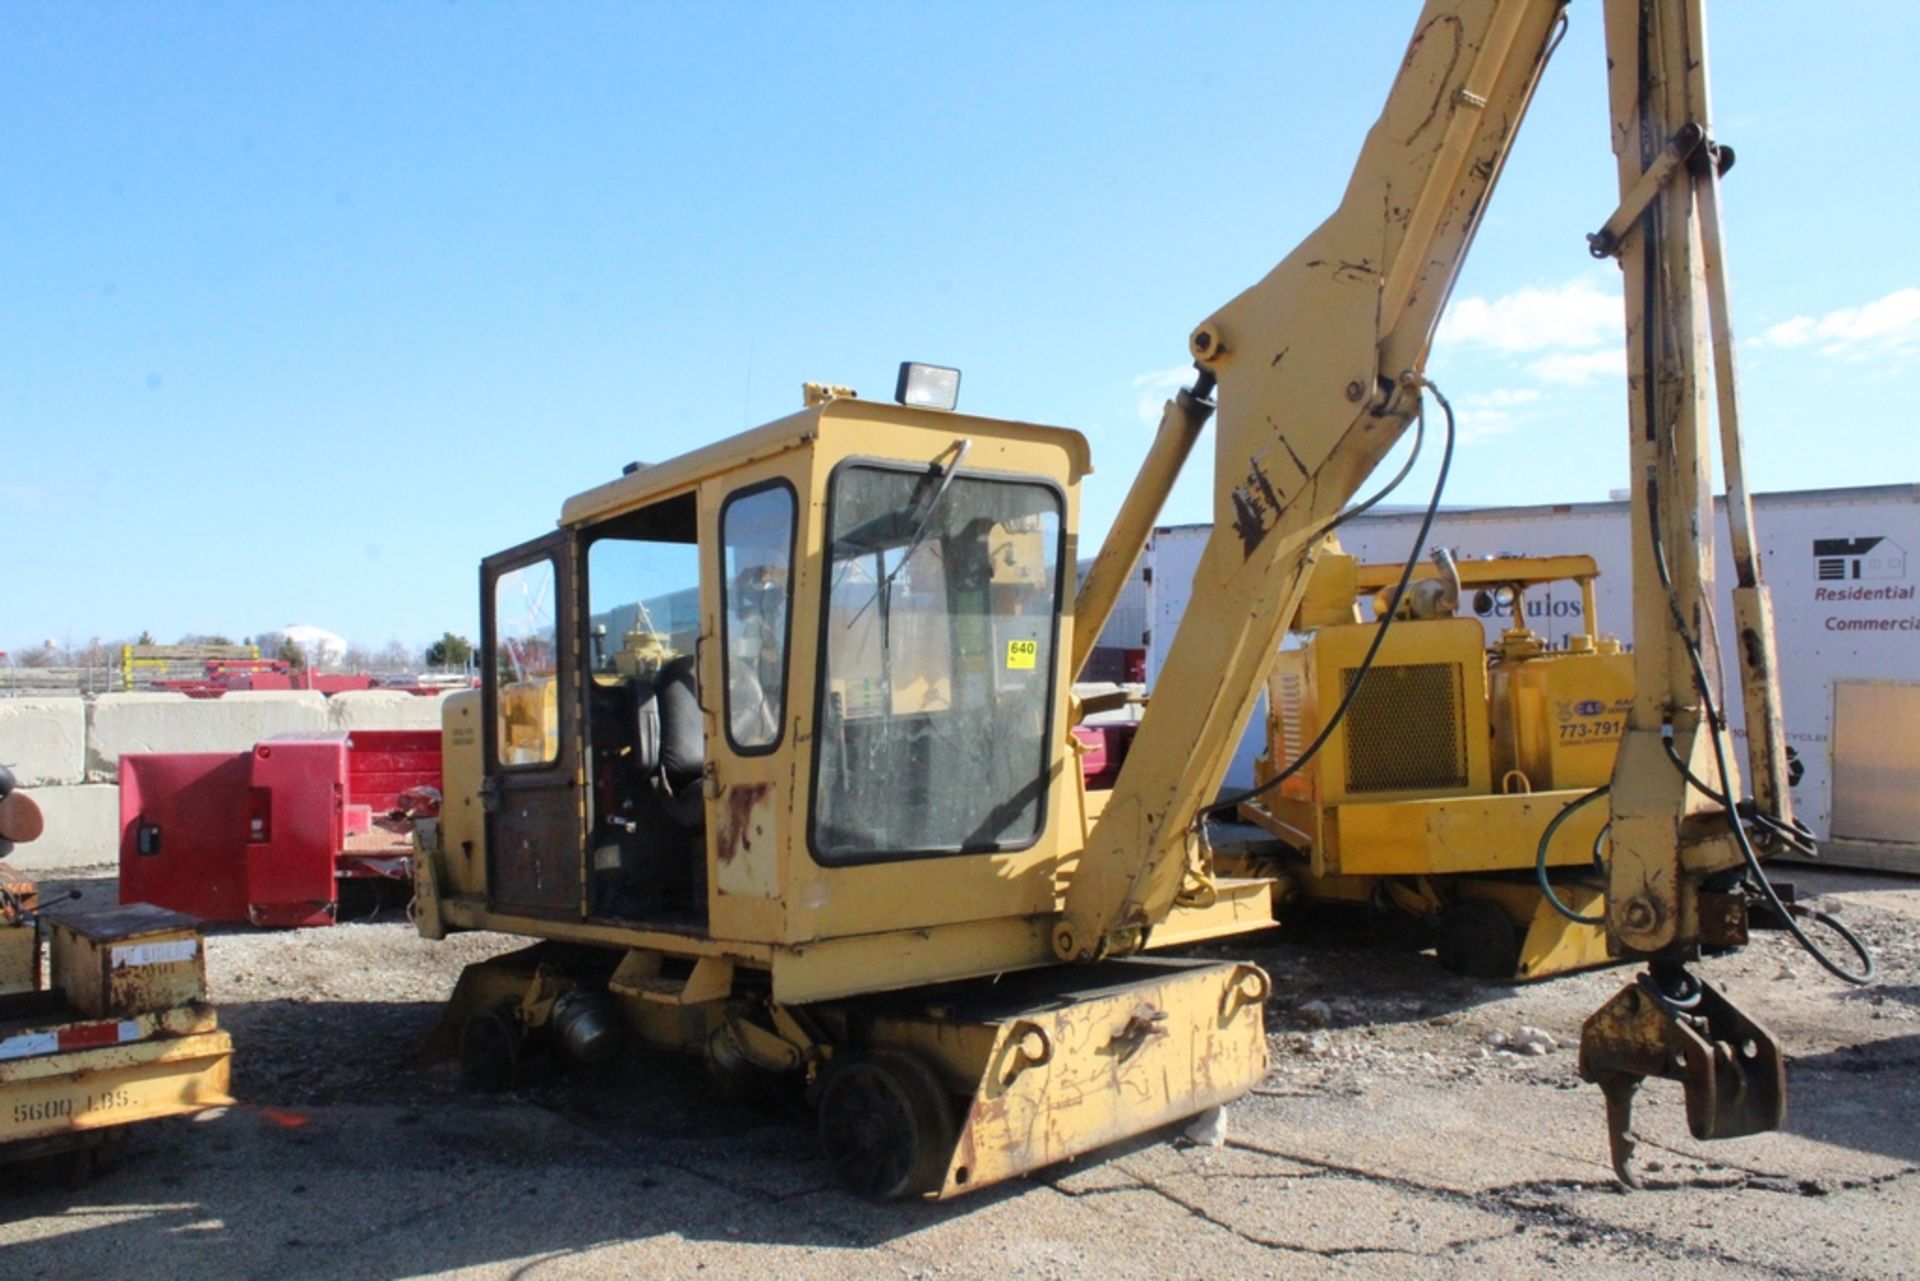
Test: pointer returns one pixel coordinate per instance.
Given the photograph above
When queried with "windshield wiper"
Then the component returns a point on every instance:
(933, 508)
(944, 477)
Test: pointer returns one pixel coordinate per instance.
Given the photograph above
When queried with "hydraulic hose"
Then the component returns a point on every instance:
(1540, 858)
(1716, 731)
(1233, 803)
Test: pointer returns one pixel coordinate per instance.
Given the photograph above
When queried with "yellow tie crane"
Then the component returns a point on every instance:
(772, 750)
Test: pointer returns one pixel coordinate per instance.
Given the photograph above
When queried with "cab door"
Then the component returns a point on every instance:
(536, 835)
(746, 678)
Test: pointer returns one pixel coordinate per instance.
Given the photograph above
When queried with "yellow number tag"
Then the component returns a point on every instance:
(1021, 655)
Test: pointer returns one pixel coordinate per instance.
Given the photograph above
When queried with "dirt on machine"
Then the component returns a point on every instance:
(773, 758)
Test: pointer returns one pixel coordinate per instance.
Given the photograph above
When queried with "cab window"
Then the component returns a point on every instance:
(938, 667)
(526, 666)
(756, 537)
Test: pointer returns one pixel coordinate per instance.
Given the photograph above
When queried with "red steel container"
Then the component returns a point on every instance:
(264, 836)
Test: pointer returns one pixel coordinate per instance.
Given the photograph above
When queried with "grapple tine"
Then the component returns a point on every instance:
(1619, 1090)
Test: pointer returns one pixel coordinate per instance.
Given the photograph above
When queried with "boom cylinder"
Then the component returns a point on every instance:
(1180, 425)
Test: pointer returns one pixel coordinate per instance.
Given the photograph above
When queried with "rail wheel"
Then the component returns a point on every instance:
(492, 1051)
(886, 1125)
(1392, 927)
(1476, 939)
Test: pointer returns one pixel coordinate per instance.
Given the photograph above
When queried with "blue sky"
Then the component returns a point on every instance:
(309, 307)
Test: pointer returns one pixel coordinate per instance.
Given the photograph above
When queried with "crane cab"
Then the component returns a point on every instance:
(771, 754)
(798, 698)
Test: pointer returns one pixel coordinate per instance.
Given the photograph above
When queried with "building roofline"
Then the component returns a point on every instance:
(1781, 497)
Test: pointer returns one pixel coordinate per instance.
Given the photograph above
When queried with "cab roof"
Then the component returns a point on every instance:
(796, 431)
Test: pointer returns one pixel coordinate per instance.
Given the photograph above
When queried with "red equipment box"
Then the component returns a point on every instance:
(1106, 751)
(264, 836)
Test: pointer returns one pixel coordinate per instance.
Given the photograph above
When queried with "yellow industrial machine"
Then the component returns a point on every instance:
(819, 813)
(826, 760)
(114, 1029)
(1430, 797)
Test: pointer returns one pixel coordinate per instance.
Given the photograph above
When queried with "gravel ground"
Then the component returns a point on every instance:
(1413, 1124)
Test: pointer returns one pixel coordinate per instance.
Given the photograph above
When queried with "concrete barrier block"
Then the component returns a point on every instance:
(83, 829)
(44, 740)
(383, 709)
(122, 723)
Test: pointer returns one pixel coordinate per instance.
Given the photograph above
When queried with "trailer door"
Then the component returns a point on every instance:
(1876, 761)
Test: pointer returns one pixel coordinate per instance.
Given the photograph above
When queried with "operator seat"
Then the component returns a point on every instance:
(683, 742)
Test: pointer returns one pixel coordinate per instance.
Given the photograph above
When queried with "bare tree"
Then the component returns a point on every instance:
(396, 657)
(38, 656)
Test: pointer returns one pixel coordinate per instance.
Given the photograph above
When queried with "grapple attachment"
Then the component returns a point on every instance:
(1666, 1023)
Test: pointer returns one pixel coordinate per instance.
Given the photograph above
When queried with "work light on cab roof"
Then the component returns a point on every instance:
(927, 386)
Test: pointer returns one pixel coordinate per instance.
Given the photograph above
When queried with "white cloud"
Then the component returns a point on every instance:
(1475, 425)
(1484, 415)
(1569, 369)
(1885, 328)
(1500, 398)
(1157, 388)
(1578, 314)
(1788, 333)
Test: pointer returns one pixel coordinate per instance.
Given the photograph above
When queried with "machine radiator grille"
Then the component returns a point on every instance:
(1406, 728)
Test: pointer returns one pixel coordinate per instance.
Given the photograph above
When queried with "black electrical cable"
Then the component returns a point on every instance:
(1673, 754)
(1757, 877)
(1795, 835)
(1362, 508)
(1716, 730)
(1758, 880)
(1233, 803)
(1540, 858)
(1851, 939)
